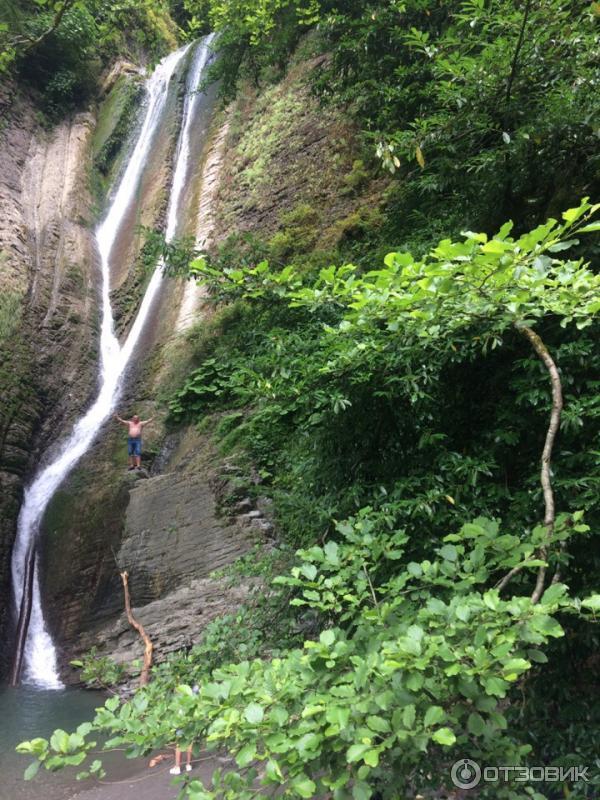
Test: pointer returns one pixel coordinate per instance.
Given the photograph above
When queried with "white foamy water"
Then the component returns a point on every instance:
(40, 660)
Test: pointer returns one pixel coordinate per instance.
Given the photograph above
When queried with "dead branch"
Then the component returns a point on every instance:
(148, 646)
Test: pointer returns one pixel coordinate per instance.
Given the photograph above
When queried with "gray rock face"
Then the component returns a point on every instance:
(175, 622)
(173, 539)
(172, 535)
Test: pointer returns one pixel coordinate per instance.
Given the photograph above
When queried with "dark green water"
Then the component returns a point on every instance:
(25, 713)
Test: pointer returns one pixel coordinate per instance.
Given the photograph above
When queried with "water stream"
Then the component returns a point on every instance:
(39, 665)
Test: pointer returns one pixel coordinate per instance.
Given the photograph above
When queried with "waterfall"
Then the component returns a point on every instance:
(35, 650)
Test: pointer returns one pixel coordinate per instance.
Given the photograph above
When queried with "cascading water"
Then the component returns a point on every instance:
(35, 651)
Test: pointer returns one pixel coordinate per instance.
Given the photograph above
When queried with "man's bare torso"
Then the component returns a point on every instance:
(134, 428)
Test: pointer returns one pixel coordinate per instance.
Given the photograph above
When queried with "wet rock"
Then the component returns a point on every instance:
(265, 504)
(172, 534)
(263, 525)
(120, 68)
(48, 280)
(243, 505)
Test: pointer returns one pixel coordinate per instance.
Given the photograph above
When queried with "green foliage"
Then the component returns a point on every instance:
(99, 671)
(412, 661)
(175, 255)
(254, 37)
(413, 339)
(61, 64)
(483, 110)
(59, 47)
(297, 234)
(356, 178)
(355, 391)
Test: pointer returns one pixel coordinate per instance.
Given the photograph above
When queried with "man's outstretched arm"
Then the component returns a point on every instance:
(122, 421)
(146, 421)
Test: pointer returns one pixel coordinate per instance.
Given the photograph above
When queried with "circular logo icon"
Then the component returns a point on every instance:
(465, 773)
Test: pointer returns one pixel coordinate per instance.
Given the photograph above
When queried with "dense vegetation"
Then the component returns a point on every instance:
(489, 110)
(58, 48)
(441, 602)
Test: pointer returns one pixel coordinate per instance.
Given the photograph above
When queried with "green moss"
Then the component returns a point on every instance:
(123, 117)
(356, 178)
(299, 233)
(75, 276)
(116, 116)
(229, 422)
(273, 122)
(356, 225)
(10, 314)
(58, 513)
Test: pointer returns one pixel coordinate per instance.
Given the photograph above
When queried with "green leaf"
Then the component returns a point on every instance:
(31, 771)
(112, 703)
(449, 552)
(59, 741)
(433, 715)
(84, 728)
(537, 656)
(309, 571)
(414, 569)
(592, 602)
(414, 681)
(303, 786)
(337, 716)
(444, 736)
(331, 551)
(361, 791)
(327, 637)
(408, 716)
(495, 686)
(254, 713)
(547, 625)
(515, 667)
(475, 724)
(378, 724)
(553, 593)
(246, 755)
(356, 751)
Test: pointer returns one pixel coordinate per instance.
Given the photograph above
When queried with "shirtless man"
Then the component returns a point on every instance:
(134, 438)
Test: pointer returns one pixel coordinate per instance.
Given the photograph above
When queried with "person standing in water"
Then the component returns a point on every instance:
(134, 438)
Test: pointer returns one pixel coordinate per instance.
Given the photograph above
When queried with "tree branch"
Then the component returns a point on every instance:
(148, 646)
(517, 53)
(373, 595)
(508, 577)
(30, 43)
(545, 479)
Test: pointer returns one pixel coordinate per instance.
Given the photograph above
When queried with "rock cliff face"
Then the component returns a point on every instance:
(53, 185)
(173, 539)
(48, 308)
